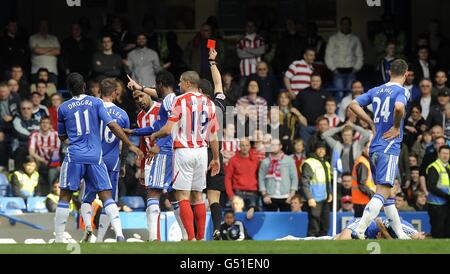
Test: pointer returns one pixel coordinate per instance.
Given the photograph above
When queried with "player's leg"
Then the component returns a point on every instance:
(216, 211)
(98, 176)
(69, 179)
(155, 186)
(88, 196)
(198, 185)
(176, 211)
(392, 215)
(384, 170)
(104, 221)
(183, 170)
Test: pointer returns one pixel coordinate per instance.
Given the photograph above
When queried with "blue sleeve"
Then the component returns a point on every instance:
(61, 125)
(103, 113)
(364, 99)
(403, 97)
(145, 131)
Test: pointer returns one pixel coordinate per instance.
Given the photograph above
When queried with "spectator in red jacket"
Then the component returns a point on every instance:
(241, 177)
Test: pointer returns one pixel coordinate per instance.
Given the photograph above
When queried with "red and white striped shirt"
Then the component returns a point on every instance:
(333, 120)
(146, 119)
(248, 64)
(195, 115)
(46, 145)
(299, 73)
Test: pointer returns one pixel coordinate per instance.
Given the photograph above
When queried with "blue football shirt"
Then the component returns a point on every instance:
(383, 99)
(110, 143)
(79, 119)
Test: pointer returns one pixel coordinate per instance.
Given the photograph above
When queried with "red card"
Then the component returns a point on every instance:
(211, 44)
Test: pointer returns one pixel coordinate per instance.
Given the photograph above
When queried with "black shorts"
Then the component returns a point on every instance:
(217, 182)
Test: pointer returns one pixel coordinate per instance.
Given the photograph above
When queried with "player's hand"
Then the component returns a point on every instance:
(133, 85)
(123, 172)
(267, 200)
(154, 150)
(137, 151)
(214, 166)
(153, 138)
(392, 133)
(128, 131)
(330, 198)
(312, 203)
(212, 54)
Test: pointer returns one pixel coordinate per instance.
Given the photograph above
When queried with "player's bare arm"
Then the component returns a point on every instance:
(394, 132)
(123, 159)
(384, 233)
(133, 85)
(118, 131)
(214, 165)
(216, 77)
(359, 111)
(163, 132)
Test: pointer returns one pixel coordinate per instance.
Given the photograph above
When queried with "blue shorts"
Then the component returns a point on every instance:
(90, 193)
(95, 176)
(161, 172)
(384, 168)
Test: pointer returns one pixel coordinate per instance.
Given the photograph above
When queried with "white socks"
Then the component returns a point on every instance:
(102, 226)
(61, 215)
(176, 211)
(370, 213)
(112, 211)
(394, 219)
(86, 213)
(152, 213)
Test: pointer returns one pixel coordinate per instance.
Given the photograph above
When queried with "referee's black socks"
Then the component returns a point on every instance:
(216, 215)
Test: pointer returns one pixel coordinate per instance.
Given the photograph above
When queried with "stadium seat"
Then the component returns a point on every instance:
(36, 205)
(134, 202)
(12, 205)
(4, 186)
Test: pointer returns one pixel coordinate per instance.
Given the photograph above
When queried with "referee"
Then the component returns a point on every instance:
(215, 184)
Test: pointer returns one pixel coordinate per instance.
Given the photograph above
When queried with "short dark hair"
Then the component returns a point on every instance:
(106, 35)
(206, 87)
(42, 69)
(3, 84)
(315, 74)
(414, 168)
(165, 78)
(45, 118)
(346, 174)
(423, 47)
(346, 18)
(229, 211)
(443, 147)
(108, 86)
(309, 49)
(398, 67)
(401, 195)
(29, 159)
(42, 82)
(330, 99)
(75, 83)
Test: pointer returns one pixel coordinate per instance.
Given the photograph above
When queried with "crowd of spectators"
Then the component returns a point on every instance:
(310, 80)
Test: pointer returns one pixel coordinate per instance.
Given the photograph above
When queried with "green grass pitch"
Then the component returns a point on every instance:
(245, 247)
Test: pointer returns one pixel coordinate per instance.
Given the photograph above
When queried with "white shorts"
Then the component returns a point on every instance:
(147, 169)
(189, 168)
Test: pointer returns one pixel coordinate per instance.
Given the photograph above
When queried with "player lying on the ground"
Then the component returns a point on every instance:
(379, 228)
